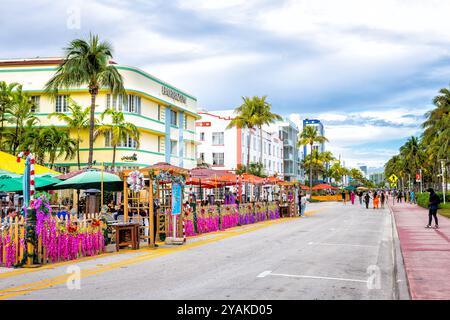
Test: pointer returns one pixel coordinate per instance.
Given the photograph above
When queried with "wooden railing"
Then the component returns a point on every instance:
(59, 239)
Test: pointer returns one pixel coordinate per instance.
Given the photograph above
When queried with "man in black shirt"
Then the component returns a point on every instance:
(433, 205)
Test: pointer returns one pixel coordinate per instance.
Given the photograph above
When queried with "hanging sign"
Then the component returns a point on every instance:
(418, 177)
(176, 198)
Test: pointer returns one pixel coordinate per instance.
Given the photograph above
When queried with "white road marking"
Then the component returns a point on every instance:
(269, 273)
(263, 274)
(341, 244)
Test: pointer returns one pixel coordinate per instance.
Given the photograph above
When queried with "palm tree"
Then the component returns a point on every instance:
(87, 63)
(326, 157)
(337, 171)
(33, 140)
(119, 130)
(246, 118)
(57, 143)
(6, 96)
(263, 117)
(78, 119)
(21, 116)
(310, 135)
(356, 175)
(413, 155)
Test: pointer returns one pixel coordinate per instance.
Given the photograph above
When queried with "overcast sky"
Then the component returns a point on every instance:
(368, 69)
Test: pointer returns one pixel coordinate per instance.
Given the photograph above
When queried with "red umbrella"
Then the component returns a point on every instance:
(323, 186)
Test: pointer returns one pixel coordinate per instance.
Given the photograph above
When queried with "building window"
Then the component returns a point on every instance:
(202, 136)
(128, 103)
(217, 138)
(173, 118)
(35, 100)
(185, 125)
(218, 158)
(128, 142)
(202, 156)
(173, 147)
(62, 103)
(159, 112)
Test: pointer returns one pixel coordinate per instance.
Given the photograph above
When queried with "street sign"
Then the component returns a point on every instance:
(393, 185)
(176, 198)
(418, 178)
(393, 178)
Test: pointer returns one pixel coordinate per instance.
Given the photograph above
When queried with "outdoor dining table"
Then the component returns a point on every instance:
(127, 234)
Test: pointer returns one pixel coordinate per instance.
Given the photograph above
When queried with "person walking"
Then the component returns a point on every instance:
(367, 200)
(360, 196)
(412, 197)
(383, 199)
(344, 197)
(375, 200)
(302, 206)
(433, 204)
(352, 197)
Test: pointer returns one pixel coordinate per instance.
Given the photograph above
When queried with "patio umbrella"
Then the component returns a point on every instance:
(350, 188)
(164, 166)
(91, 179)
(323, 186)
(16, 184)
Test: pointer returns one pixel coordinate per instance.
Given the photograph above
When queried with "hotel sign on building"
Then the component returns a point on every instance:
(173, 94)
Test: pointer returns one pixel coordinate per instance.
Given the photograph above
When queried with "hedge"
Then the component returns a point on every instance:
(422, 199)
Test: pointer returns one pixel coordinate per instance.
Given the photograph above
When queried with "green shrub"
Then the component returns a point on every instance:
(422, 199)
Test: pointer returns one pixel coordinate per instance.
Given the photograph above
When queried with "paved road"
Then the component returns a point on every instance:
(338, 252)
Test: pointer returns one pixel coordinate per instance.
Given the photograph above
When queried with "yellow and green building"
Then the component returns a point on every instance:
(164, 114)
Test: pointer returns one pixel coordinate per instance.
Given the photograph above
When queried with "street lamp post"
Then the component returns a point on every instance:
(443, 178)
(421, 181)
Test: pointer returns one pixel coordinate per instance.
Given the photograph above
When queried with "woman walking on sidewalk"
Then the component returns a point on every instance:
(383, 198)
(352, 197)
(433, 207)
(375, 200)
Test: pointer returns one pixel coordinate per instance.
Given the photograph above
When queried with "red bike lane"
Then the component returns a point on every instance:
(426, 252)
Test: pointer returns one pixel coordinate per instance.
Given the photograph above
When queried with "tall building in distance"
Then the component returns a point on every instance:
(227, 149)
(363, 169)
(321, 131)
(164, 114)
(376, 178)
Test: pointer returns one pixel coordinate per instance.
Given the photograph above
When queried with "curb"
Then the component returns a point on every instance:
(401, 283)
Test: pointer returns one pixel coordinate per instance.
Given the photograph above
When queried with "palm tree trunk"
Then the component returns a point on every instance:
(310, 172)
(2, 128)
(91, 130)
(16, 138)
(114, 158)
(260, 145)
(248, 148)
(78, 149)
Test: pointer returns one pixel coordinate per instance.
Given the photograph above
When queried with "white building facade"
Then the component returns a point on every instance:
(227, 149)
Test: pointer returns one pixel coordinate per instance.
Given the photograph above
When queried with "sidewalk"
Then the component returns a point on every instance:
(426, 252)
